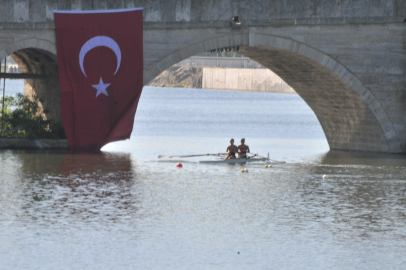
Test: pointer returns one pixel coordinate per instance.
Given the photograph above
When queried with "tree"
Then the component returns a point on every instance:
(23, 118)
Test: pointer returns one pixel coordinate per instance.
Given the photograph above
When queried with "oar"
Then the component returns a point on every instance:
(200, 155)
(275, 161)
(271, 160)
(253, 155)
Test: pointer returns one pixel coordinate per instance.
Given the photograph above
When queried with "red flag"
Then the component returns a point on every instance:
(100, 60)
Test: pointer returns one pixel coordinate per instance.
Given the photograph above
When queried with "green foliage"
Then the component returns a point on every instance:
(23, 118)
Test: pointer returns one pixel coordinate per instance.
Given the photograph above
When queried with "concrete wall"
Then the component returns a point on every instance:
(226, 62)
(258, 80)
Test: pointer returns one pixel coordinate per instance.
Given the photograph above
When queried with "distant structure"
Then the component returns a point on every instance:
(13, 69)
(234, 73)
(11, 66)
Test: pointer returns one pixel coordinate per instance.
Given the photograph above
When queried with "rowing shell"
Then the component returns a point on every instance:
(235, 160)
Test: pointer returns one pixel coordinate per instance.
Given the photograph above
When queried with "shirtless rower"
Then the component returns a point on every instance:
(243, 149)
(231, 150)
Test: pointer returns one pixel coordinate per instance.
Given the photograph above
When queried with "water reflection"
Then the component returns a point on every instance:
(335, 157)
(364, 198)
(81, 201)
(71, 187)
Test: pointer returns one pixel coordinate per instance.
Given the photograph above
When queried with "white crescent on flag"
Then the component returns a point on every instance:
(96, 42)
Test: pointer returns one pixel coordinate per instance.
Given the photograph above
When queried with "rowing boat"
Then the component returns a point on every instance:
(235, 160)
(252, 158)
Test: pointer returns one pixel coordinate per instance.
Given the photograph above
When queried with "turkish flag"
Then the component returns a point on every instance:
(100, 60)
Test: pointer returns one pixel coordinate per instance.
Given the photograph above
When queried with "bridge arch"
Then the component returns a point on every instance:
(350, 115)
(38, 57)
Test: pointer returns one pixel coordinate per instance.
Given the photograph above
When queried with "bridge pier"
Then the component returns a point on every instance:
(346, 119)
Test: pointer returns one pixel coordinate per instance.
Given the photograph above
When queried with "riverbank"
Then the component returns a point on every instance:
(15, 143)
(238, 79)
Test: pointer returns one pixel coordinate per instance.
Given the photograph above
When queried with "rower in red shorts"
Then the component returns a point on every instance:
(243, 149)
(231, 150)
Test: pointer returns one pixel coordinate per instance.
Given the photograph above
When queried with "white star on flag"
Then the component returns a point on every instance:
(101, 87)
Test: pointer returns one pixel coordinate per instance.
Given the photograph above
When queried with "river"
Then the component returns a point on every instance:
(124, 208)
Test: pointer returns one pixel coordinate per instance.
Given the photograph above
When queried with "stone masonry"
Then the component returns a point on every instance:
(346, 59)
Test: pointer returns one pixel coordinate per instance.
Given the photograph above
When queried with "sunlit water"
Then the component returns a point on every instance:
(126, 209)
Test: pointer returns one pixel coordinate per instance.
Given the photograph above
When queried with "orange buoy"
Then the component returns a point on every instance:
(179, 165)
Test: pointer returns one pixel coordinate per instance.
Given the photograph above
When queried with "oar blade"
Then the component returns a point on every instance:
(186, 156)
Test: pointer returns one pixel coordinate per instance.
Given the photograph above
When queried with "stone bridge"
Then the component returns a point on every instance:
(345, 58)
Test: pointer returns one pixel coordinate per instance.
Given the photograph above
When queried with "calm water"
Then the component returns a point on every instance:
(125, 209)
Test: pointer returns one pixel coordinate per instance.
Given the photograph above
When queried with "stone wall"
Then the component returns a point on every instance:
(214, 11)
(259, 80)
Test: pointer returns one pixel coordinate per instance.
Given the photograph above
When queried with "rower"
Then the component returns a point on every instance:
(231, 149)
(243, 149)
